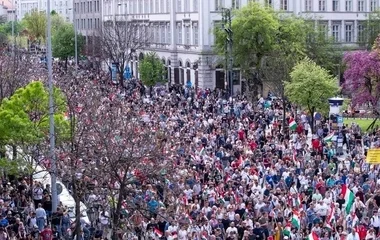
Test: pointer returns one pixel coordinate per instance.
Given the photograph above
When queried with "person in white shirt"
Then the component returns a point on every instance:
(232, 230)
(353, 235)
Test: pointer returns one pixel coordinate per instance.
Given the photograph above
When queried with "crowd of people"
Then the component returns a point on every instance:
(242, 175)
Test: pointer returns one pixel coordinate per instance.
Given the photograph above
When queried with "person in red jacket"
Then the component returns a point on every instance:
(315, 143)
(362, 231)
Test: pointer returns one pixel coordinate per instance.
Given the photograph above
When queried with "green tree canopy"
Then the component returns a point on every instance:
(152, 70)
(260, 33)
(24, 117)
(35, 24)
(63, 42)
(311, 86)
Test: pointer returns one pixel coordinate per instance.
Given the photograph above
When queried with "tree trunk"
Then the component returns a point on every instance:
(14, 152)
(66, 60)
(312, 110)
(77, 196)
(116, 213)
(121, 78)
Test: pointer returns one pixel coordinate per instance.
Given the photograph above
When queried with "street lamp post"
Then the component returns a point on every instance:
(53, 173)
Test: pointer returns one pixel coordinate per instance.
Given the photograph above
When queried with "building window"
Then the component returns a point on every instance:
(195, 5)
(284, 5)
(269, 3)
(162, 6)
(323, 29)
(187, 35)
(308, 6)
(140, 10)
(163, 37)
(349, 33)
(157, 7)
(361, 33)
(219, 4)
(335, 5)
(361, 6)
(373, 5)
(336, 32)
(322, 5)
(169, 34)
(179, 31)
(179, 5)
(236, 4)
(348, 6)
(196, 34)
(187, 6)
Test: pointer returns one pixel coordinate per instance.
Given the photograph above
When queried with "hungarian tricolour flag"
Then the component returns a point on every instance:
(158, 232)
(287, 230)
(331, 217)
(329, 137)
(296, 220)
(312, 236)
(292, 124)
(349, 198)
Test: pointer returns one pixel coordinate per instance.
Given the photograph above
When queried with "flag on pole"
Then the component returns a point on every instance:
(158, 232)
(331, 217)
(349, 198)
(296, 222)
(313, 236)
(292, 124)
(329, 137)
(287, 229)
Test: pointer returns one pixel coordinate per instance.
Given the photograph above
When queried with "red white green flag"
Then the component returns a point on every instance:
(349, 198)
(313, 236)
(296, 222)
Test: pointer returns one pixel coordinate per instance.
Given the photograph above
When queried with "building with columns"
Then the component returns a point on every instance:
(182, 30)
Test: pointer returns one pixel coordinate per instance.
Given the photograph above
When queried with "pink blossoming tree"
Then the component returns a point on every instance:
(362, 77)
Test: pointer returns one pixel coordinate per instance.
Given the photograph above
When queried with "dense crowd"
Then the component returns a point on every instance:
(242, 175)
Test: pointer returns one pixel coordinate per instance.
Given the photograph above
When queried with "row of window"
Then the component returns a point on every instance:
(87, 7)
(155, 6)
(360, 7)
(186, 34)
(87, 24)
(345, 32)
(308, 5)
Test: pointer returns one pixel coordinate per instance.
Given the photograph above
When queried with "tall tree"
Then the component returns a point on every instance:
(109, 138)
(255, 29)
(35, 23)
(24, 122)
(63, 42)
(152, 70)
(310, 87)
(362, 77)
(120, 39)
(258, 34)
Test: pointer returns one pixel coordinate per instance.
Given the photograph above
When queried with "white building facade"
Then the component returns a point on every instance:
(182, 33)
(62, 7)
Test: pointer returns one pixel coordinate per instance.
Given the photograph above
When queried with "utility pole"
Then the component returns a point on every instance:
(226, 25)
(53, 172)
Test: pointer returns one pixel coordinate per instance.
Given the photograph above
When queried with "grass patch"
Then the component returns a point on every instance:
(362, 122)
